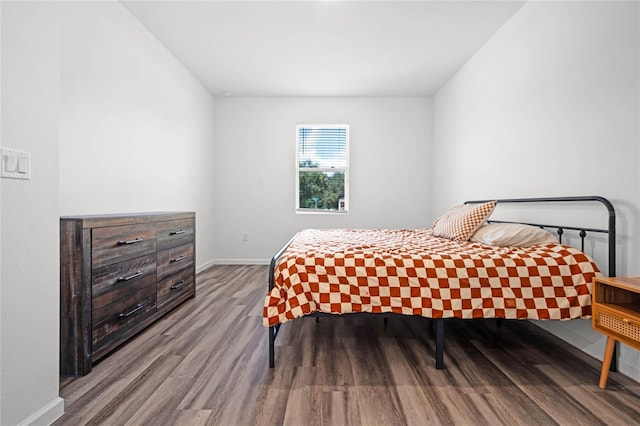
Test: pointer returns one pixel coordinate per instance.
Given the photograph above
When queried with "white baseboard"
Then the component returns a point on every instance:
(46, 415)
(241, 261)
(210, 263)
(200, 268)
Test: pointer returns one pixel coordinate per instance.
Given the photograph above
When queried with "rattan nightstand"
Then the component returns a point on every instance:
(616, 313)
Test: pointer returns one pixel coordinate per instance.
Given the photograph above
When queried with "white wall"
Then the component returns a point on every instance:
(254, 168)
(114, 124)
(136, 129)
(550, 107)
(29, 210)
(1, 139)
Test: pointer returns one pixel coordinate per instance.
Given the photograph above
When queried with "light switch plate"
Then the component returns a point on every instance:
(16, 164)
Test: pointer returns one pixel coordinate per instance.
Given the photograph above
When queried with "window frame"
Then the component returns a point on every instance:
(344, 169)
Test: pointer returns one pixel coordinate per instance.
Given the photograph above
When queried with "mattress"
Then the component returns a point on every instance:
(411, 272)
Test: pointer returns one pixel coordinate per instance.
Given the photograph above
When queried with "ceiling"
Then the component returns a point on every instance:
(323, 48)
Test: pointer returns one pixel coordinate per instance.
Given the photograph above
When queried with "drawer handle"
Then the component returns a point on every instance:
(124, 243)
(178, 285)
(178, 259)
(131, 312)
(130, 277)
(179, 231)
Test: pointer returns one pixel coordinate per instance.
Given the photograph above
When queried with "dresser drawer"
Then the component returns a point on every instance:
(175, 232)
(119, 280)
(174, 259)
(114, 244)
(175, 288)
(116, 318)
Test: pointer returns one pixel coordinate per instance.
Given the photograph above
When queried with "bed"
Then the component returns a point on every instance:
(466, 266)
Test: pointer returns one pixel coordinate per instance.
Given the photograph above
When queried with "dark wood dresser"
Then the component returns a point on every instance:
(118, 274)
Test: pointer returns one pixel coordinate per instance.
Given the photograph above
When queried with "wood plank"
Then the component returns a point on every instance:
(205, 363)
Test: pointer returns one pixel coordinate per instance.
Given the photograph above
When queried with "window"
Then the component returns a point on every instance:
(322, 166)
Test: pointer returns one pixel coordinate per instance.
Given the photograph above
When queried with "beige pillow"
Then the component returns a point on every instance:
(459, 223)
(512, 234)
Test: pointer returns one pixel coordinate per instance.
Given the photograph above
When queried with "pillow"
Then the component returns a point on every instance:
(512, 234)
(459, 223)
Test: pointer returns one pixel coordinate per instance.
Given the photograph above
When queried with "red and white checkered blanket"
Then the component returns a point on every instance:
(411, 272)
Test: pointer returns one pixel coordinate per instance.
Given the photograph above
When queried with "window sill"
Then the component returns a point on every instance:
(313, 211)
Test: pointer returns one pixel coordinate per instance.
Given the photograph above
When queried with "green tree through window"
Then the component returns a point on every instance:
(322, 168)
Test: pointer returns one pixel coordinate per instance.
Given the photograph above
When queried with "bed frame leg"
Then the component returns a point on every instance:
(272, 339)
(439, 343)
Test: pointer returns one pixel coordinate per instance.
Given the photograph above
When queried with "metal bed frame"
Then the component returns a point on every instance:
(439, 322)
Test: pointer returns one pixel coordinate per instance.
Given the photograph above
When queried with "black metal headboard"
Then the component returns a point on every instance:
(582, 231)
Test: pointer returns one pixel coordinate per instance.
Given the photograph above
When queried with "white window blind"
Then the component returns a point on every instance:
(322, 165)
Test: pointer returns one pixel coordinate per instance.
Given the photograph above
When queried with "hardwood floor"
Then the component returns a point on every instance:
(206, 364)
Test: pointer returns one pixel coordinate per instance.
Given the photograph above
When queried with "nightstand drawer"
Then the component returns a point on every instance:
(114, 244)
(613, 322)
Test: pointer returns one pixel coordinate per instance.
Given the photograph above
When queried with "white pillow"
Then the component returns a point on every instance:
(512, 234)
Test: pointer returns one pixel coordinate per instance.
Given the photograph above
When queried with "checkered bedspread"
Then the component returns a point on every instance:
(411, 272)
